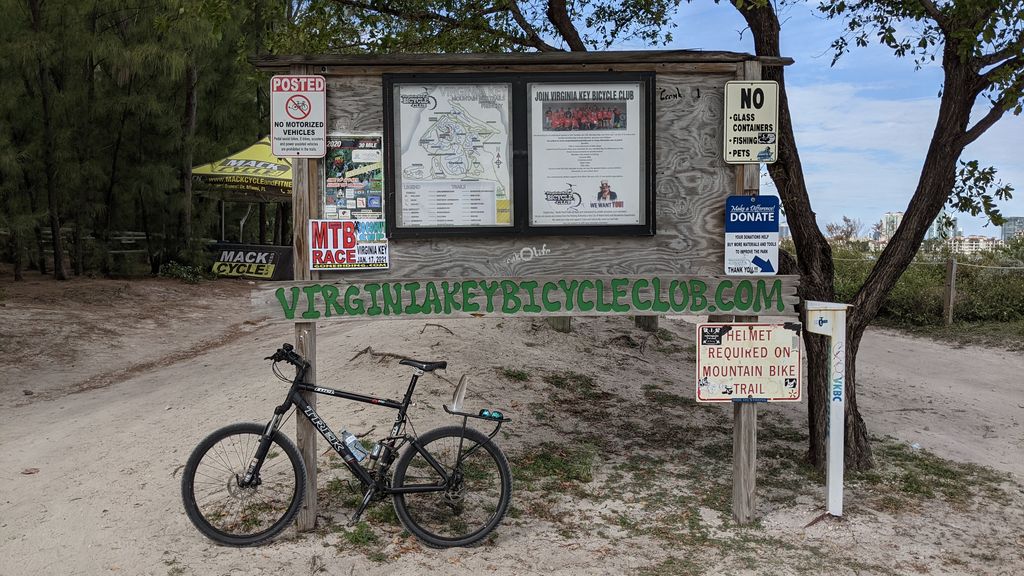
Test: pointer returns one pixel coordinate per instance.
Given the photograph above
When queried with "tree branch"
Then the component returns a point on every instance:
(932, 10)
(428, 16)
(530, 31)
(988, 77)
(558, 14)
(1001, 54)
(989, 119)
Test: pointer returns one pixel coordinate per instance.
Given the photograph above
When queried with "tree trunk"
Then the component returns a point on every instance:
(263, 222)
(188, 130)
(938, 176)
(815, 255)
(17, 256)
(78, 255)
(277, 223)
(49, 148)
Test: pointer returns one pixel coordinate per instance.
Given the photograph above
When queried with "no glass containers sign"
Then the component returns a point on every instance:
(751, 122)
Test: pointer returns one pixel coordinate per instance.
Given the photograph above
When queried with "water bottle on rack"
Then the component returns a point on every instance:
(354, 445)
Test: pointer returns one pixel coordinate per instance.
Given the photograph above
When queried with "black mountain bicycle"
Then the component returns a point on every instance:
(244, 483)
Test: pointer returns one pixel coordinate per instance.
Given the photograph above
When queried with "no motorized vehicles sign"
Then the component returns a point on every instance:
(298, 116)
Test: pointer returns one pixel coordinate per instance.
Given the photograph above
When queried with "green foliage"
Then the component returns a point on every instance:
(977, 190)
(184, 272)
(360, 535)
(514, 374)
(986, 289)
(494, 25)
(92, 104)
(557, 462)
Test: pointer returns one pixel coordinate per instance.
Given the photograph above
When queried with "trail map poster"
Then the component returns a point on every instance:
(453, 143)
(353, 178)
(586, 154)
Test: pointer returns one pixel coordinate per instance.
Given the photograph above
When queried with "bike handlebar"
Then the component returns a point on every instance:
(287, 353)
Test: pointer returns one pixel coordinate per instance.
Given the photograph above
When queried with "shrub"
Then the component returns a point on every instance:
(183, 272)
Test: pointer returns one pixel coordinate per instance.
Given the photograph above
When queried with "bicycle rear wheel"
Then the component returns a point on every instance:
(232, 514)
(474, 497)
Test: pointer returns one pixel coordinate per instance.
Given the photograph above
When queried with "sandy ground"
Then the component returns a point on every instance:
(107, 386)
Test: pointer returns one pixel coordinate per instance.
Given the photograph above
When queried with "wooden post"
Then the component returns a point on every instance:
(305, 205)
(647, 323)
(949, 298)
(744, 461)
(744, 432)
(560, 323)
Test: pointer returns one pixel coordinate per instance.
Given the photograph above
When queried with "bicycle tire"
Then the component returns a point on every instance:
(228, 513)
(468, 511)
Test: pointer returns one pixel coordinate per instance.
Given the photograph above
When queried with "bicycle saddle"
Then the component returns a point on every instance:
(425, 366)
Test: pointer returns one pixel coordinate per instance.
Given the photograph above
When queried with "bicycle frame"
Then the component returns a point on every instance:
(386, 455)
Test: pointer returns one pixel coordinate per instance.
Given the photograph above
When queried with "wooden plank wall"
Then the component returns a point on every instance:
(691, 185)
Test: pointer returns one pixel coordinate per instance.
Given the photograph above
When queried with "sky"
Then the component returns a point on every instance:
(863, 126)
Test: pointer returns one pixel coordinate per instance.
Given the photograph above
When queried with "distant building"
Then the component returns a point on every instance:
(973, 244)
(1013, 226)
(886, 228)
(943, 228)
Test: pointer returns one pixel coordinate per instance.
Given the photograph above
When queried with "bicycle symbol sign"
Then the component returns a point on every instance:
(298, 116)
(298, 107)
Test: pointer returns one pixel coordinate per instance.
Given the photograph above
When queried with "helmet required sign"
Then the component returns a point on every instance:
(298, 116)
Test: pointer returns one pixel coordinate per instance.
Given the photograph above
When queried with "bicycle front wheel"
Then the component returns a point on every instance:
(236, 515)
(475, 487)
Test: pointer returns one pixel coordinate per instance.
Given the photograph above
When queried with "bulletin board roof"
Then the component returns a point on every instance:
(653, 58)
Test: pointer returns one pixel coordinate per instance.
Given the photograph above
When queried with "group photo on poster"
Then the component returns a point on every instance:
(353, 178)
(586, 154)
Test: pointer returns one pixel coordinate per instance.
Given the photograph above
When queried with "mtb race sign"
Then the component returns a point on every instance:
(347, 245)
(748, 362)
(298, 116)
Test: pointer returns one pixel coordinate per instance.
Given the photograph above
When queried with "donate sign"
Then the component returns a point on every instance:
(751, 235)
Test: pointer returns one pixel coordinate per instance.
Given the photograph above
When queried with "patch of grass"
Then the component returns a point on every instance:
(377, 556)
(383, 513)
(664, 399)
(1007, 335)
(665, 334)
(340, 493)
(904, 477)
(360, 535)
(514, 374)
(673, 566)
(564, 464)
(571, 381)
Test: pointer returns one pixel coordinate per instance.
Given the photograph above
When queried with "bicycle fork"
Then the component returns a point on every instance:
(252, 473)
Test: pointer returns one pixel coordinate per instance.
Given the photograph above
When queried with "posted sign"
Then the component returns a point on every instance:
(751, 122)
(347, 245)
(298, 116)
(751, 235)
(748, 362)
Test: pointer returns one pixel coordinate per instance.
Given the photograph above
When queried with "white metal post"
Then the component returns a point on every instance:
(829, 319)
